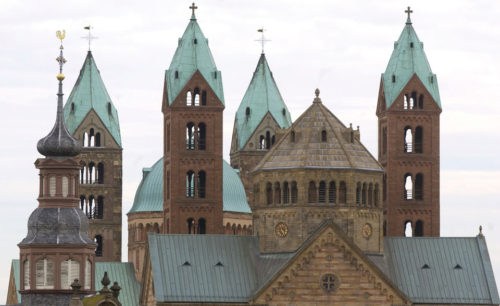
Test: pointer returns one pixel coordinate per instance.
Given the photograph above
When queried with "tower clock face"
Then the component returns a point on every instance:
(281, 230)
(367, 230)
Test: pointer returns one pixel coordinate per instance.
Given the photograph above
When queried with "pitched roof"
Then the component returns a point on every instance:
(209, 268)
(90, 93)
(123, 273)
(441, 270)
(261, 97)
(407, 59)
(192, 54)
(308, 151)
(149, 194)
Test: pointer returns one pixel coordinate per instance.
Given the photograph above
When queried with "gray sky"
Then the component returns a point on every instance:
(341, 47)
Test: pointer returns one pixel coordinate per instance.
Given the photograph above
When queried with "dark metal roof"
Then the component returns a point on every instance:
(441, 270)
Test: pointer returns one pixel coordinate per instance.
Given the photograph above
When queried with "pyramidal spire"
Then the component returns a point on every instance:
(408, 58)
(59, 142)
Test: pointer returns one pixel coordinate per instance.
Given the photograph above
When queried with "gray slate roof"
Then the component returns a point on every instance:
(443, 281)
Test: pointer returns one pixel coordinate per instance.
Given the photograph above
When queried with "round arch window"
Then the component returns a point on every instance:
(329, 282)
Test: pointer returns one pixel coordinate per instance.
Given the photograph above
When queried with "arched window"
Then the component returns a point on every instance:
(294, 192)
(286, 193)
(190, 136)
(363, 195)
(202, 135)
(408, 187)
(273, 139)
(190, 184)
(201, 184)
(65, 186)
(89, 209)
(405, 101)
(262, 142)
(91, 169)
(408, 230)
(99, 208)
(277, 193)
(72, 107)
(70, 270)
(156, 228)
(201, 226)
(342, 193)
(323, 136)
(189, 98)
(26, 267)
(91, 138)
(98, 139)
(384, 140)
(312, 192)
(268, 140)
(322, 192)
(88, 275)
(292, 136)
(413, 100)
(421, 101)
(269, 193)
(99, 248)
(140, 229)
(176, 74)
(375, 195)
(358, 193)
(190, 226)
(52, 186)
(100, 173)
(44, 271)
(419, 228)
(419, 186)
(370, 194)
(419, 139)
(408, 140)
(85, 139)
(196, 96)
(332, 193)
(82, 175)
(204, 98)
(109, 108)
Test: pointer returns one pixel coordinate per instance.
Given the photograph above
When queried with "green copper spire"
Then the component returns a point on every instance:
(261, 97)
(192, 54)
(90, 93)
(407, 59)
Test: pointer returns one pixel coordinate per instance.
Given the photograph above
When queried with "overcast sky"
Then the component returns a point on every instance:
(341, 47)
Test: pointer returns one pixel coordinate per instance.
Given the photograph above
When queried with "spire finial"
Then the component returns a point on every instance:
(317, 99)
(480, 231)
(60, 59)
(89, 37)
(263, 39)
(193, 7)
(408, 11)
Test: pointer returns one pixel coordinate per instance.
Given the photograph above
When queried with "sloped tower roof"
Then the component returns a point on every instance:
(90, 93)
(261, 97)
(309, 151)
(407, 59)
(192, 54)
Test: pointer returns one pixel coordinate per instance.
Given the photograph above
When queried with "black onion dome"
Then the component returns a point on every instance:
(57, 226)
(59, 141)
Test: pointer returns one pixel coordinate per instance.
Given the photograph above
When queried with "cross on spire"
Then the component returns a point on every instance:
(89, 37)
(408, 11)
(263, 39)
(193, 7)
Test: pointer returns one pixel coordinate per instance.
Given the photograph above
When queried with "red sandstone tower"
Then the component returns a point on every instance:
(193, 104)
(408, 113)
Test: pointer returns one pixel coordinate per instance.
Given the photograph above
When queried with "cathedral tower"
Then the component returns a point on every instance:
(260, 121)
(57, 249)
(92, 119)
(193, 105)
(408, 113)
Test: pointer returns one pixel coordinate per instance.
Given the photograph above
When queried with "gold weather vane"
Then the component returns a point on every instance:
(60, 59)
(263, 39)
(61, 35)
(89, 37)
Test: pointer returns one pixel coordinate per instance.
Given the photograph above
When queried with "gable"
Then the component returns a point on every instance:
(414, 84)
(92, 120)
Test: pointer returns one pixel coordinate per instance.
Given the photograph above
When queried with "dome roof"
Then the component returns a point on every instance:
(149, 194)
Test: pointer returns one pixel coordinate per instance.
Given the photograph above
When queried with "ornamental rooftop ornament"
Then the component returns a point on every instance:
(59, 142)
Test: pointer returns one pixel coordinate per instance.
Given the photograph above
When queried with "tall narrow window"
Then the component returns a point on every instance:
(408, 187)
(312, 192)
(82, 175)
(109, 108)
(65, 186)
(273, 139)
(419, 139)
(363, 195)
(176, 74)
(292, 136)
(262, 142)
(88, 275)
(99, 248)
(82, 202)
(85, 139)
(91, 138)
(408, 231)
(323, 136)
(168, 137)
(421, 101)
(204, 98)
(201, 226)
(100, 173)
(197, 97)
(168, 185)
(342, 193)
(332, 193)
(370, 194)
(413, 100)
(98, 139)
(268, 140)
(26, 267)
(91, 169)
(408, 140)
(286, 193)
(419, 186)
(294, 192)
(44, 274)
(190, 226)
(375, 195)
(358, 194)
(201, 184)
(419, 228)
(322, 192)
(70, 270)
(269, 193)
(405, 101)
(277, 193)
(89, 210)
(189, 99)
(52, 186)
(202, 135)
(384, 140)
(190, 136)
(99, 208)
(190, 184)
